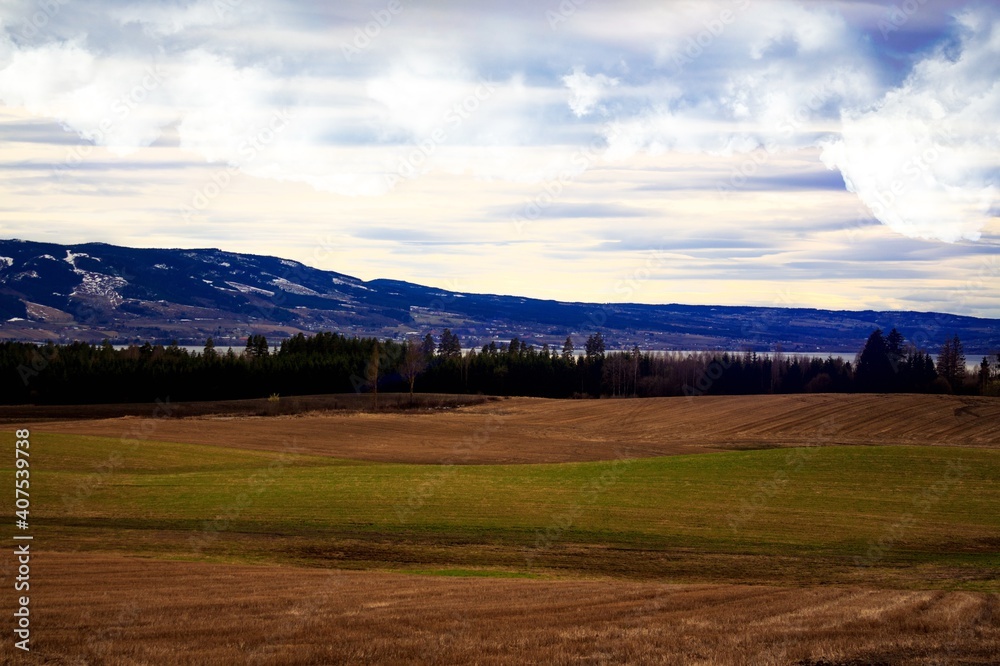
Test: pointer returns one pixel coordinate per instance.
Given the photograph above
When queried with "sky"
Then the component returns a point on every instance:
(838, 155)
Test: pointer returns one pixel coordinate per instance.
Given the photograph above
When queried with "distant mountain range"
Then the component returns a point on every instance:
(94, 291)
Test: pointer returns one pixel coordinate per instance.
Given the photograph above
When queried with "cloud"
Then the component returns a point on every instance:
(571, 210)
(586, 91)
(924, 158)
(108, 101)
(716, 78)
(774, 79)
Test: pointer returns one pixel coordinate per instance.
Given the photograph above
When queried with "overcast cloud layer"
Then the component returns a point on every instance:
(730, 143)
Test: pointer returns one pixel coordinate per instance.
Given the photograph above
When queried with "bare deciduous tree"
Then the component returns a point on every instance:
(372, 373)
(414, 362)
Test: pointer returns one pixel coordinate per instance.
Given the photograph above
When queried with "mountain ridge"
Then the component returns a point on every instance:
(93, 291)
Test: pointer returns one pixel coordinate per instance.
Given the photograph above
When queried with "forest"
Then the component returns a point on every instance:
(82, 373)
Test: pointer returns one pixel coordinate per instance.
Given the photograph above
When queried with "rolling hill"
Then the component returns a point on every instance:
(94, 291)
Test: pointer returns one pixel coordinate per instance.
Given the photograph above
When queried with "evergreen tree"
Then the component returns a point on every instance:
(568, 349)
(595, 346)
(256, 347)
(874, 372)
(450, 345)
(894, 351)
(427, 347)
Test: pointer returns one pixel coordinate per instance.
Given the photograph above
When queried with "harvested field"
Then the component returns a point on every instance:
(296, 404)
(872, 540)
(889, 516)
(526, 430)
(98, 609)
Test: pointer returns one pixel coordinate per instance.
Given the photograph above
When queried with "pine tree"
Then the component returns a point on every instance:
(874, 371)
(450, 345)
(256, 347)
(894, 349)
(427, 347)
(568, 349)
(595, 346)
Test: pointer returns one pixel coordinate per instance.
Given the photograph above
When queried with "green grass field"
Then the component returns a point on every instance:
(895, 516)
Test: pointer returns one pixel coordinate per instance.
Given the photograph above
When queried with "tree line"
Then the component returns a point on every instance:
(80, 373)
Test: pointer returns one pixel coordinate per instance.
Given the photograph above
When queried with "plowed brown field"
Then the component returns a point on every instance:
(526, 430)
(99, 609)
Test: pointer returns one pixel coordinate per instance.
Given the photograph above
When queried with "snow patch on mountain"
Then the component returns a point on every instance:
(95, 284)
(98, 284)
(247, 289)
(293, 288)
(71, 258)
(348, 283)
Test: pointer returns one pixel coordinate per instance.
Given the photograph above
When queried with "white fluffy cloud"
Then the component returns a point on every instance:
(586, 91)
(924, 158)
(112, 102)
(713, 78)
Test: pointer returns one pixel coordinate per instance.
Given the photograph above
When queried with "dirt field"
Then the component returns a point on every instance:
(209, 614)
(296, 404)
(525, 430)
(587, 599)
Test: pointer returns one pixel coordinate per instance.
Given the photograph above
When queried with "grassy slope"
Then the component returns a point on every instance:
(794, 515)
